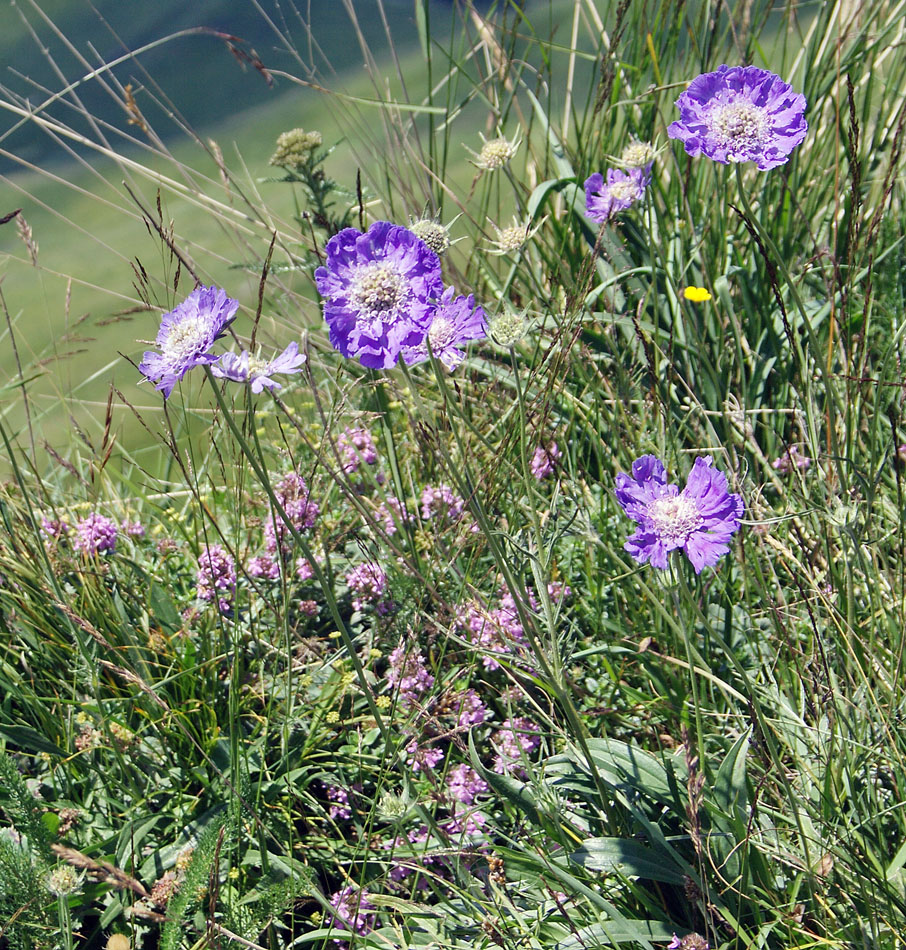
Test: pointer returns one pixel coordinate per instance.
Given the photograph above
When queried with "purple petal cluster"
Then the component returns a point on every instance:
(186, 336)
(441, 501)
(352, 911)
(740, 114)
(516, 738)
(384, 299)
(621, 190)
(456, 320)
(294, 498)
(216, 574)
(95, 534)
(701, 519)
(248, 368)
(408, 673)
(378, 289)
(368, 582)
(464, 784)
(356, 446)
(544, 460)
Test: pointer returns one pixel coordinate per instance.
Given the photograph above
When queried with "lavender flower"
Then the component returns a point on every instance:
(544, 460)
(407, 672)
(216, 574)
(454, 322)
(339, 799)
(622, 189)
(464, 783)
(516, 738)
(294, 498)
(186, 336)
(95, 534)
(378, 291)
(352, 911)
(368, 583)
(54, 527)
(701, 519)
(356, 446)
(263, 565)
(249, 368)
(441, 500)
(740, 114)
(790, 460)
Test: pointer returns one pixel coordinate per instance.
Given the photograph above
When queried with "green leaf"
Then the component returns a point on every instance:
(30, 740)
(624, 931)
(628, 857)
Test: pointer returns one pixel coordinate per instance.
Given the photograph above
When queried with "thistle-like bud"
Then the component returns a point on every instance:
(294, 148)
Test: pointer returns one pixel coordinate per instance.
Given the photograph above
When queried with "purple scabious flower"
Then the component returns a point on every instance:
(379, 291)
(701, 519)
(248, 368)
(186, 336)
(740, 114)
(95, 534)
(455, 321)
(621, 190)
(216, 575)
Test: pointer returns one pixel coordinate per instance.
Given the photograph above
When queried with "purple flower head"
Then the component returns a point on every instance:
(368, 582)
(95, 534)
(186, 336)
(464, 783)
(621, 190)
(352, 908)
(294, 498)
(790, 460)
(54, 528)
(455, 322)
(247, 368)
(379, 290)
(544, 460)
(740, 114)
(216, 574)
(700, 519)
(407, 673)
(515, 739)
(441, 501)
(356, 446)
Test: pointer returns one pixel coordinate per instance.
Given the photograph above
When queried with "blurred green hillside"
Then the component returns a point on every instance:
(69, 315)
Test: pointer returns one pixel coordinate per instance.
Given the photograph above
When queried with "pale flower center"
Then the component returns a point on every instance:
(377, 288)
(623, 190)
(186, 338)
(739, 125)
(495, 154)
(675, 517)
(441, 334)
(257, 366)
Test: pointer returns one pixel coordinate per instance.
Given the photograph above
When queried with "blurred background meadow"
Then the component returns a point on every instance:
(364, 661)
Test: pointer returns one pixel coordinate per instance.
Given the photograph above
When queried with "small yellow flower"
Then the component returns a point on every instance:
(332, 716)
(382, 702)
(696, 294)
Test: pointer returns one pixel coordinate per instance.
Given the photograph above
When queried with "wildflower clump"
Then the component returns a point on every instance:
(249, 368)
